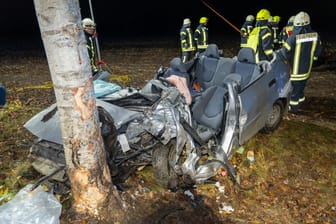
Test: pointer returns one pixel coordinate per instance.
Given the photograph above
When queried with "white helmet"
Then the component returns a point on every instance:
(186, 21)
(301, 19)
(88, 23)
(291, 19)
(250, 18)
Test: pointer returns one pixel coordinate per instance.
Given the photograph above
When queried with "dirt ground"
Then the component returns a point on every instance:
(293, 178)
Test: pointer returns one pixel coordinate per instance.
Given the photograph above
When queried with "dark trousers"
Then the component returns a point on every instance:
(297, 96)
(186, 56)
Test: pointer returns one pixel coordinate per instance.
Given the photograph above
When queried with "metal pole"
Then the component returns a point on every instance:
(96, 37)
(227, 21)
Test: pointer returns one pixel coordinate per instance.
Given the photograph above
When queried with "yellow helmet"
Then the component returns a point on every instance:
(263, 14)
(203, 20)
(276, 19)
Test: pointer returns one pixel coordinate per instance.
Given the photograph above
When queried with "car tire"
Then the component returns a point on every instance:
(162, 170)
(274, 118)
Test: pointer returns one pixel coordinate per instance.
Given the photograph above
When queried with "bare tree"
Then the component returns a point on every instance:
(70, 70)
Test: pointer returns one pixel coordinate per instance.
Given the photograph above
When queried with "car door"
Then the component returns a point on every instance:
(256, 100)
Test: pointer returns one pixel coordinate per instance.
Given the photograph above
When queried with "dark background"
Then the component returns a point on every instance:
(163, 18)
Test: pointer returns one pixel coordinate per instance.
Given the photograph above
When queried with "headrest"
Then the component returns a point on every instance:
(212, 51)
(247, 55)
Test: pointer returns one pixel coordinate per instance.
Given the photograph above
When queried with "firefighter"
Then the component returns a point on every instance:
(261, 39)
(246, 29)
(273, 23)
(201, 35)
(301, 49)
(287, 30)
(89, 30)
(187, 40)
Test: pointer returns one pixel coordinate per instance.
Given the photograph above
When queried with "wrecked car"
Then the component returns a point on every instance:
(158, 126)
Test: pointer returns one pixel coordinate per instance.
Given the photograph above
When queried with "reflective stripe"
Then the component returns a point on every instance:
(296, 58)
(202, 46)
(299, 77)
(268, 34)
(306, 37)
(303, 38)
(190, 38)
(287, 46)
(92, 59)
(269, 52)
(312, 54)
(302, 99)
(294, 103)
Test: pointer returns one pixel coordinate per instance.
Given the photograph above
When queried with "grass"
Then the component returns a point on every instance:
(16, 170)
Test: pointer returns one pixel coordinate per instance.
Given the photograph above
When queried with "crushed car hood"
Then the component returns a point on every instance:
(46, 124)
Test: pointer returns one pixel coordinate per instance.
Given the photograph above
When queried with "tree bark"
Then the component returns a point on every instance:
(68, 60)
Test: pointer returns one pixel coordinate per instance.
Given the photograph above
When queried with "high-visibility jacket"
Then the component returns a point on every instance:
(275, 31)
(201, 36)
(187, 39)
(261, 41)
(91, 47)
(245, 31)
(301, 49)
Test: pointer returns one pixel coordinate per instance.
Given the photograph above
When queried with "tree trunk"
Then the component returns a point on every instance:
(68, 60)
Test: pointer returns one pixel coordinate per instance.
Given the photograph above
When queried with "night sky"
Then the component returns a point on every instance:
(148, 18)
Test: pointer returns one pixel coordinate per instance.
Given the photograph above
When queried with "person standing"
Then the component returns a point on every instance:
(187, 40)
(89, 30)
(201, 35)
(2, 96)
(287, 30)
(273, 23)
(261, 38)
(246, 29)
(301, 49)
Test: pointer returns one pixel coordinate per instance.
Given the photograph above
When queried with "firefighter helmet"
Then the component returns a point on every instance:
(263, 14)
(301, 19)
(186, 21)
(276, 19)
(203, 20)
(250, 18)
(291, 19)
(88, 23)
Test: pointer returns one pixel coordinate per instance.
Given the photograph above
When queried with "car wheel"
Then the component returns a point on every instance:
(162, 170)
(274, 118)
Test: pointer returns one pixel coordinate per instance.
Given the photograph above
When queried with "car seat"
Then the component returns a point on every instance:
(206, 65)
(208, 111)
(246, 66)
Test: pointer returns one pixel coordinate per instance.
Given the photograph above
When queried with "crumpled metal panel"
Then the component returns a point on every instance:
(46, 125)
